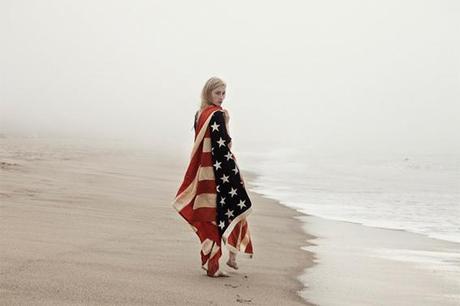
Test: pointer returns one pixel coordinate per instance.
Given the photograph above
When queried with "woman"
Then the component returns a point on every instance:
(212, 197)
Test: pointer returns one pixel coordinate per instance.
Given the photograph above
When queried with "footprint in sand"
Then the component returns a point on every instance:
(239, 299)
(7, 165)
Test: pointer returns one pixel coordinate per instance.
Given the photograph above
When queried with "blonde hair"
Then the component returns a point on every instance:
(208, 87)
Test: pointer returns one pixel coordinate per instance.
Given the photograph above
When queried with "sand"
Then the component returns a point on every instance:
(86, 223)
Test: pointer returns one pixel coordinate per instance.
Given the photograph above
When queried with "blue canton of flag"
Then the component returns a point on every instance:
(232, 199)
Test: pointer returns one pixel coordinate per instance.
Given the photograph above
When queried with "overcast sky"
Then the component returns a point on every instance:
(321, 75)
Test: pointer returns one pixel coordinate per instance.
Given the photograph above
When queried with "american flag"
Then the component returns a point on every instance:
(212, 197)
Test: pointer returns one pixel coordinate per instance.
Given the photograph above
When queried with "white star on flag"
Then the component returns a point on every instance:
(236, 170)
(232, 192)
(217, 165)
(222, 201)
(221, 224)
(241, 204)
(224, 178)
(229, 213)
(217, 188)
(221, 142)
(215, 127)
(229, 155)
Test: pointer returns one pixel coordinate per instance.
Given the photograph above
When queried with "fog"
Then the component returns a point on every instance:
(325, 76)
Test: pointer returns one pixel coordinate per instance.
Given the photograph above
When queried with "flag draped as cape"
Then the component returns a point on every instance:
(212, 197)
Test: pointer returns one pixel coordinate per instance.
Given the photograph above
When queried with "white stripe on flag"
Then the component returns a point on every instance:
(207, 145)
(206, 173)
(205, 200)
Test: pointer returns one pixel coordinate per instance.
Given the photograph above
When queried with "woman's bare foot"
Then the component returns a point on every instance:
(219, 274)
(232, 264)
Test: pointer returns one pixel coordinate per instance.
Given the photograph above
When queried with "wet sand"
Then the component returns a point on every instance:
(361, 265)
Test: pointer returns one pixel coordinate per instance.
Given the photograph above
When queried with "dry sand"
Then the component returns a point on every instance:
(87, 224)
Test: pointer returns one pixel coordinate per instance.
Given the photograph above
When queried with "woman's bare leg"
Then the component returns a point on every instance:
(232, 260)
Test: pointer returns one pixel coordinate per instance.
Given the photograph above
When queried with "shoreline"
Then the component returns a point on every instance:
(366, 265)
(296, 217)
(299, 239)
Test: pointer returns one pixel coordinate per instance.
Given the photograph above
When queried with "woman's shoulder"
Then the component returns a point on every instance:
(226, 114)
(220, 113)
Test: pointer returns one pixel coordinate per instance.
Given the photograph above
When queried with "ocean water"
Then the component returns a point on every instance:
(418, 193)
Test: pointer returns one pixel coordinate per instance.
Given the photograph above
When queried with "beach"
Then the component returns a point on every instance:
(91, 223)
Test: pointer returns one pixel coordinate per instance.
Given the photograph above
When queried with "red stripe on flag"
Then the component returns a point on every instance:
(191, 170)
(207, 186)
(206, 159)
(204, 214)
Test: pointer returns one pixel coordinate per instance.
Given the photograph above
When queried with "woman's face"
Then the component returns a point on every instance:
(218, 95)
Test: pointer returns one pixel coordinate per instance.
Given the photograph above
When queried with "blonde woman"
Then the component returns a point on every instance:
(212, 197)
